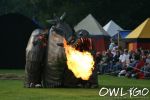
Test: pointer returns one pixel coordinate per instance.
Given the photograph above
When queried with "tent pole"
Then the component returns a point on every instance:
(118, 39)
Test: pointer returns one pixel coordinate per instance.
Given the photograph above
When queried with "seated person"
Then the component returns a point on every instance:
(135, 71)
(104, 63)
(146, 68)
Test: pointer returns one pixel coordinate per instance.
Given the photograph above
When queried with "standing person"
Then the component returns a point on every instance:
(112, 44)
(35, 59)
(85, 44)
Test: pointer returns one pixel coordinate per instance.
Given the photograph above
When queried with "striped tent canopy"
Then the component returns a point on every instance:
(142, 31)
(140, 36)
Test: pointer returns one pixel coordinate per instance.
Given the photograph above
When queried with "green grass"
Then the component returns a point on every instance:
(14, 90)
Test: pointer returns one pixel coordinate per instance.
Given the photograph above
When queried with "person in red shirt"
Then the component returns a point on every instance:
(137, 69)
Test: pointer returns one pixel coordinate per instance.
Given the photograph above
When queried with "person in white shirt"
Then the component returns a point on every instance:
(125, 58)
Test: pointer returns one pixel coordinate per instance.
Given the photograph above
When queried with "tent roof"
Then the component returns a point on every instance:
(90, 24)
(122, 34)
(142, 31)
(112, 28)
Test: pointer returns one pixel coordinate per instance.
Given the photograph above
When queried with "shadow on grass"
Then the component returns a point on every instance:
(11, 76)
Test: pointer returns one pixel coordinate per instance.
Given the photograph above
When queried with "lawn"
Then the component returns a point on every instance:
(14, 90)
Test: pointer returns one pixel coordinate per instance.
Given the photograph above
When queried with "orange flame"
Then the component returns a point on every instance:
(80, 63)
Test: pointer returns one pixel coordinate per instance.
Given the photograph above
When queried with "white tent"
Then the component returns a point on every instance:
(90, 24)
(112, 28)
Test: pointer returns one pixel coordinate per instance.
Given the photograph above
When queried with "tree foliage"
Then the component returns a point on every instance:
(127, 13)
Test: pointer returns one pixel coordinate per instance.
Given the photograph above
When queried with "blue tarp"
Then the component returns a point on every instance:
(122, 34)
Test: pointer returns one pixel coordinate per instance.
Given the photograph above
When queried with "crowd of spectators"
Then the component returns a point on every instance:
(122, 62)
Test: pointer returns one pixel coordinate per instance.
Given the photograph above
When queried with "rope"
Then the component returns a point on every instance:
(139, 69)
